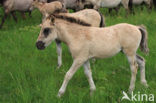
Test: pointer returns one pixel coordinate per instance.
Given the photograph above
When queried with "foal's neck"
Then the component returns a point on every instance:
(68, 32)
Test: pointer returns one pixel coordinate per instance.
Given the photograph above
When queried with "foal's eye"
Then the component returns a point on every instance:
(46, 32)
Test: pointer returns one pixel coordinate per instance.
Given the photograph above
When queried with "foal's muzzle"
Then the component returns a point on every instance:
(40, 45)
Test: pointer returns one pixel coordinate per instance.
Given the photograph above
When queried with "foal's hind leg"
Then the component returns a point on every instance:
(59, 53)
(134, 67)
(88, 73)
(141, 63)
(131, 55)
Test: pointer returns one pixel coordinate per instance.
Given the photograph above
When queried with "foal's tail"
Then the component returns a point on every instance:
(102, 23)
(144, 45)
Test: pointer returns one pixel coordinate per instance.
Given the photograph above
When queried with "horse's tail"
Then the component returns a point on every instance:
(102, 22)
(130, 5)
(143, 44)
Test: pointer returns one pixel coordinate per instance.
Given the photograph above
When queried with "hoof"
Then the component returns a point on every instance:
(92, 91)
(144, 83)
(60, 94)
(130, 90)
(58, 66)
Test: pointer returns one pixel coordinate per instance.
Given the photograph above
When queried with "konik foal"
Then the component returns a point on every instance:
(86, 42)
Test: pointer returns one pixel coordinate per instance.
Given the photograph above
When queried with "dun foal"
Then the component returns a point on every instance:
(88, 17)
(91, 42)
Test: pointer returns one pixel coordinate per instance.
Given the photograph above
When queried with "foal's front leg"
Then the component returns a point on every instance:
(88, 73)
(59, 53)
(76, 64)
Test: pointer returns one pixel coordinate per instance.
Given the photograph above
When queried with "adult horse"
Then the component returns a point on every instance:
(139, 2)
(111, 4)
(10, 6)
(86, 42)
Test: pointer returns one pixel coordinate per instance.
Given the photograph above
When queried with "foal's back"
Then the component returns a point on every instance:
(106, 42)
(90, 16)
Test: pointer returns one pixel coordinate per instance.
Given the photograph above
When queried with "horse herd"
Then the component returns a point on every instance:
(85, 34)
(11, 6)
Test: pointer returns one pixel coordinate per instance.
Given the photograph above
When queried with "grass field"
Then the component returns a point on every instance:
(28, 75)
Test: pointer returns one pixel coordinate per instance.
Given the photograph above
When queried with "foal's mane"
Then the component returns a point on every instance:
(71, 19)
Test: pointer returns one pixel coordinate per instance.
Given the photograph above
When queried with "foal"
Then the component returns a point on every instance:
(91, 42)
(87, 17)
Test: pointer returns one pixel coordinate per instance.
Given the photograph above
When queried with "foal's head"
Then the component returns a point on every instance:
(47, 34)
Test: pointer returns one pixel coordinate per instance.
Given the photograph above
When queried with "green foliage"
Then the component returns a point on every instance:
(31, 76)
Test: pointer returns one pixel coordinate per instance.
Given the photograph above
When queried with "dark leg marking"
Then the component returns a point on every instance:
(139, 57)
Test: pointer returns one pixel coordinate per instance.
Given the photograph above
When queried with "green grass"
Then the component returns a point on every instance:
(28, 75)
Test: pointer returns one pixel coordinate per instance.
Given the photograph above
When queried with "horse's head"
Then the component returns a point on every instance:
(47, 33)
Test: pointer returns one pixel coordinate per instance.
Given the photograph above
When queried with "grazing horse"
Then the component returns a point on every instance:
(88, 16)
(139, 2)
(85, 42)
(10, 6)
(111, 4)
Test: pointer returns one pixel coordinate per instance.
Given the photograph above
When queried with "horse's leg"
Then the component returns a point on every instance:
(59, 52)
(134, 67)
(3, 20)
(23, 15)
(149, 3)
(75, 66)
(14, 16)
(110, 10)
(141, 63)
(131, 6)
(117, 9)
(127, 12)
(30, 14)
(126, 4)
(88, 73)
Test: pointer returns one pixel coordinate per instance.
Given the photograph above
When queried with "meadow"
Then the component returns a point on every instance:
(28, 75)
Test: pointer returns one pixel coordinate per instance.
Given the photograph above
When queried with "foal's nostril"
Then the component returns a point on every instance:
(40, 45)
